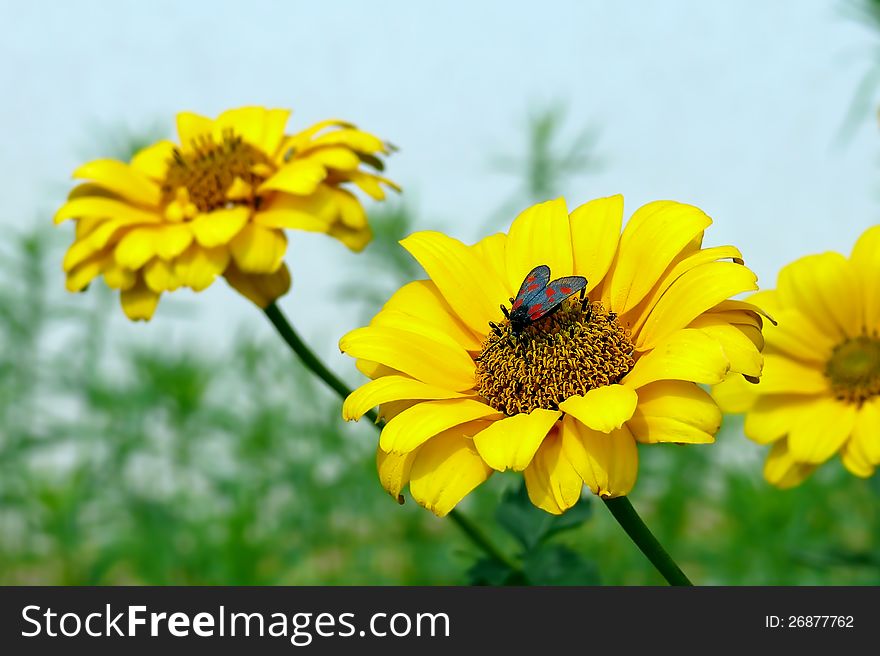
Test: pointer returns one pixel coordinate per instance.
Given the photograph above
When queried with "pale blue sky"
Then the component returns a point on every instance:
(734, 107)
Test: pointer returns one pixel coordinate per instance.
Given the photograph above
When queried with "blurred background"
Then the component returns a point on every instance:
(194, 450)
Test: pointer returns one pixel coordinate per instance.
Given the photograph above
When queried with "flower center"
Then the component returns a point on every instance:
(209, 171)
(854, 369)
(570, 352)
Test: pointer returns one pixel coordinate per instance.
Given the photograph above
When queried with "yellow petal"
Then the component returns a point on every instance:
(358, 140)
(300, 177)
(510, 443)
(250, 123)
(464, 280)
(595, 231)
(432, 362)
(825, 289)
(274, 122)
(607, 462)
(821, 429)
(693, 293)
(258, 250)
(740, 350)
(445, 470)
(390, 388)
(260, 288)
(492, 250)
(688, 354)
(422, 302)
(99, 206)
(121, 179)
(798, 337)
(191, 128)
(539, 235)
(414, 426)
(197, 267)
(139, 302)
(772, 417)
(79, 277)
(655, 234)
(867, 430)
(552, 482)
(782, 470)
(160, 276)
(220, 226)
(865, 260)
(734, 394)
(173, 239)
(854, 460)
(675, 411)
(152, 161)
(394, 470)
(117, 277)
(782, 375)
(355, 240)
(603, 409)
(370, 184)
(334, 157)
(136, 248)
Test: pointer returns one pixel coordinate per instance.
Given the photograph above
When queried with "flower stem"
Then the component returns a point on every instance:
(311, 361)
(630, 521)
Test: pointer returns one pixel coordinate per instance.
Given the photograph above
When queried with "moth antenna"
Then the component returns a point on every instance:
(505, 311)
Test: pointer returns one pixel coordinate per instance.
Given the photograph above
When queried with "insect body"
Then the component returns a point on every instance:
(538, 297)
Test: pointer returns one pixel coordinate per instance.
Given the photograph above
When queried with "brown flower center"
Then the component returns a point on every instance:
(854, 369)
(569, 352)
(209, 170)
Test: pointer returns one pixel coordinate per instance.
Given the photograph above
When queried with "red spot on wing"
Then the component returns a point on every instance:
(531, 288)
(517, 303)
(565, 290)
(536, 311)
(550, 292)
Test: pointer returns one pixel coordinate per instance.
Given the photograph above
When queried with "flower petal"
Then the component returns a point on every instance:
(445, 470)
(197, 267)
(432, 362)
(173, 239)
(687, 354)
(825, 288)
(390, 388)
(139, 301)
(798, 337)
(782, 470)
(821, 429)
(423, 421)
(99, 206)
(492, 250)
(220, 226)
(191, 127)
(121, 179)
(603, 409)
(855, 460)
(250, 123)
(655, 234)
(260, 288)
(782, 375)
(742, 353)
(152, 161)
(734, 394)
(394, 470)
(675, 411)
(422, 302)
(160, 276)
(552, 482)
(595, 231)
(136, 248)
(607, 462)
(258, 250)
(865, 260)
(772, 417)
(510, 443)
(867, 430)
(299, 177)
(464, 280)
(539, 235)
(693, 293)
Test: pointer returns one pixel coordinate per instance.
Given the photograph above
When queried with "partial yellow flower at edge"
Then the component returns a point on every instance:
(820, 393)
(567, 402)
(218, 203)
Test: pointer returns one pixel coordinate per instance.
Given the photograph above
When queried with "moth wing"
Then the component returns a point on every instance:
(534, 282)
(541, 302)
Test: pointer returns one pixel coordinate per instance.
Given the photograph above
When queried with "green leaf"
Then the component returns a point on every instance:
(530, 525)
(558, 565)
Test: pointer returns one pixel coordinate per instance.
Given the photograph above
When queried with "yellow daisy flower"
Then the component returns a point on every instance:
(820, 393)
(565, 402)
(218, 204)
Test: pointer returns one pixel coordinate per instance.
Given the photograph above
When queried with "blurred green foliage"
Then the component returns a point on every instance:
(127, 465)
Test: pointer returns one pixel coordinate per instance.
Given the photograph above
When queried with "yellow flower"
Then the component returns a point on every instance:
(566, 402)
(820, 393)
(218, 204)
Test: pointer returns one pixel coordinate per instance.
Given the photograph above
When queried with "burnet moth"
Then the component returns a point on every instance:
(538, 297)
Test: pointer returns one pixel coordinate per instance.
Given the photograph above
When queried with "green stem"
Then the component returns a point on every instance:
(629, 519)
(311, 361)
